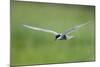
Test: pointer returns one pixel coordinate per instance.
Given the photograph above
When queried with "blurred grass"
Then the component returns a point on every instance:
(34, 47)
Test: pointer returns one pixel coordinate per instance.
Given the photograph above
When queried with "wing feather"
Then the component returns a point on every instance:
(72, 29)
(40, 29)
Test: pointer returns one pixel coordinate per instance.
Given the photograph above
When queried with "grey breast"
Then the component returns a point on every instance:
(63, 37)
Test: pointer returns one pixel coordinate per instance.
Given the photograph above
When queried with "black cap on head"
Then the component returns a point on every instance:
(57, 36)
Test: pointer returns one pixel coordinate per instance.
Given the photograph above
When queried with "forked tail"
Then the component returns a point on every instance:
(70, 37)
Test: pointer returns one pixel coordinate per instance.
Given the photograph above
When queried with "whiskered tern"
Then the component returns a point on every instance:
(58, 36)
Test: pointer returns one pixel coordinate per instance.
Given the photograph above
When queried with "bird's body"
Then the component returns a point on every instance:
(58, 36)
(61, 37)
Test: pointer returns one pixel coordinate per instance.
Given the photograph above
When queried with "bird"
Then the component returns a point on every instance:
(58, 36)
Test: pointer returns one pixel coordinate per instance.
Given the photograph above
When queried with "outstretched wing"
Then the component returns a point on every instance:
(40, 29)
(72, 29)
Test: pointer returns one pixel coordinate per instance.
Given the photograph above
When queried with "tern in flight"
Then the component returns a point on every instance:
(58, 36)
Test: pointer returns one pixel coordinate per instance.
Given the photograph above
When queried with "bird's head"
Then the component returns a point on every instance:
(57, 36)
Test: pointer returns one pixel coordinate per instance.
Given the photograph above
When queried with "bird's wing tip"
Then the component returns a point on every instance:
(23, 25)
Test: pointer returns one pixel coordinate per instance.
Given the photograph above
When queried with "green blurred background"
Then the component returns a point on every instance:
(35, 47)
